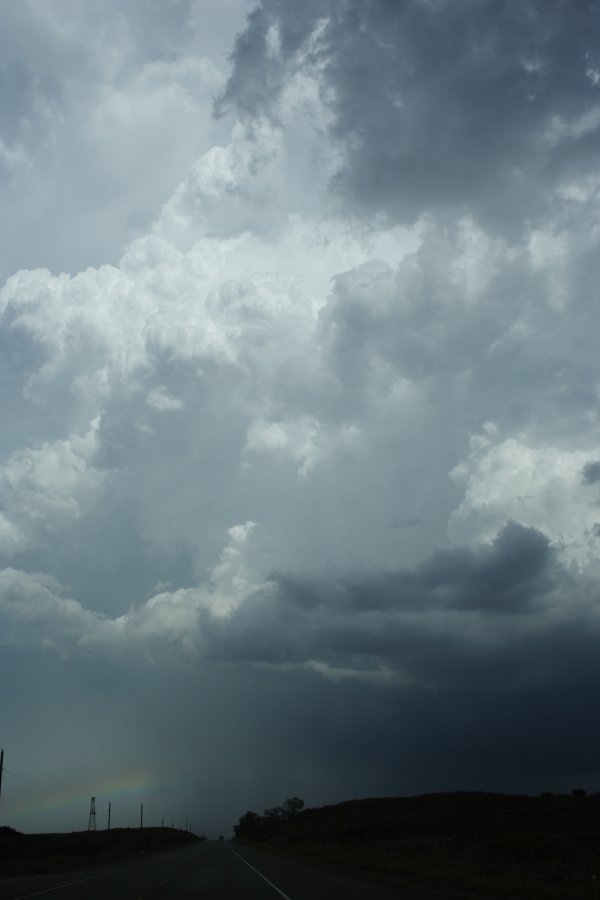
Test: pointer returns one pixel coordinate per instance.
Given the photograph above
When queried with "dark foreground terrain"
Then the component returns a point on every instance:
(210, 869)
(462, 845)
(29, 854)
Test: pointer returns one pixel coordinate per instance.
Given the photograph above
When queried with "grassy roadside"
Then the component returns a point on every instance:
(32, 854)
(456, 845)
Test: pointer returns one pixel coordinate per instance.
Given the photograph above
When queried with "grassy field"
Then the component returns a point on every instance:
(30, 854)
(460, 845)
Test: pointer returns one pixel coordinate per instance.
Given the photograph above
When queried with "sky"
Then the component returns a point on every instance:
(300, 394)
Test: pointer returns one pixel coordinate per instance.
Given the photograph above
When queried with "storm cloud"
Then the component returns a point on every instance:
(464, 108)
(299, 478)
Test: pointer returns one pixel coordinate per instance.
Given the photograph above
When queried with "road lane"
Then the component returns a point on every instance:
(126, 879)
(264, 877)
(307, 882)
(209, 871)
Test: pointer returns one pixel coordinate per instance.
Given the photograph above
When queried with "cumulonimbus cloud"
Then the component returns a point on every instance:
(301, 429)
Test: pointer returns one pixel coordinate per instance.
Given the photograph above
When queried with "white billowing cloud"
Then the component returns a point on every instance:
(35, 608)
(539, 486)
(211, 199)
(256, 181)
(160, 399)
(13, 157)
(232, 579)
(238, 318)
(267, 436)
(35, 611)
(304, 441)
(101, 111)
(12, 538)
(43, 489)
(308, 374)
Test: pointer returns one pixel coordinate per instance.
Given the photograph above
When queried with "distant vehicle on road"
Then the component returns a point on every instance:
(221, 837)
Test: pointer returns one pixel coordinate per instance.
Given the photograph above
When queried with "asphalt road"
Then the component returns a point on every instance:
(215, 870)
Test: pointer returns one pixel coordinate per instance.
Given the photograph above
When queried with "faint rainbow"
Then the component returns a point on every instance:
(127, 787)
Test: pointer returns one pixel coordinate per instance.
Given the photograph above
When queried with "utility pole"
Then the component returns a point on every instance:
(142, 816)
(1, 768)
(92, 819)
(109, 815)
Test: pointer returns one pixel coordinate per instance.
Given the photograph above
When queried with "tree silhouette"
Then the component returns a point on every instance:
(249, 825)
(255, 827)
(292, 806)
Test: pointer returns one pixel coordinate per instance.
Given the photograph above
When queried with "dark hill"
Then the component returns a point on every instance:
(460, 844)
(30, 854)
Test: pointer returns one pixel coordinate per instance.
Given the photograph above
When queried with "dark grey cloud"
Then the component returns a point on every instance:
(591, 472)
(472, 107)
(506, 577)
(494, 616)
(258, 72)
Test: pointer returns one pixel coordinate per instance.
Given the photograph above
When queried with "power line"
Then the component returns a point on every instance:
(42, 772)
(43, 788)
(49, 790)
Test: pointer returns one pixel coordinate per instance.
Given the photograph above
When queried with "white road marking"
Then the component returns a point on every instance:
(264, 877)
(81, 881)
